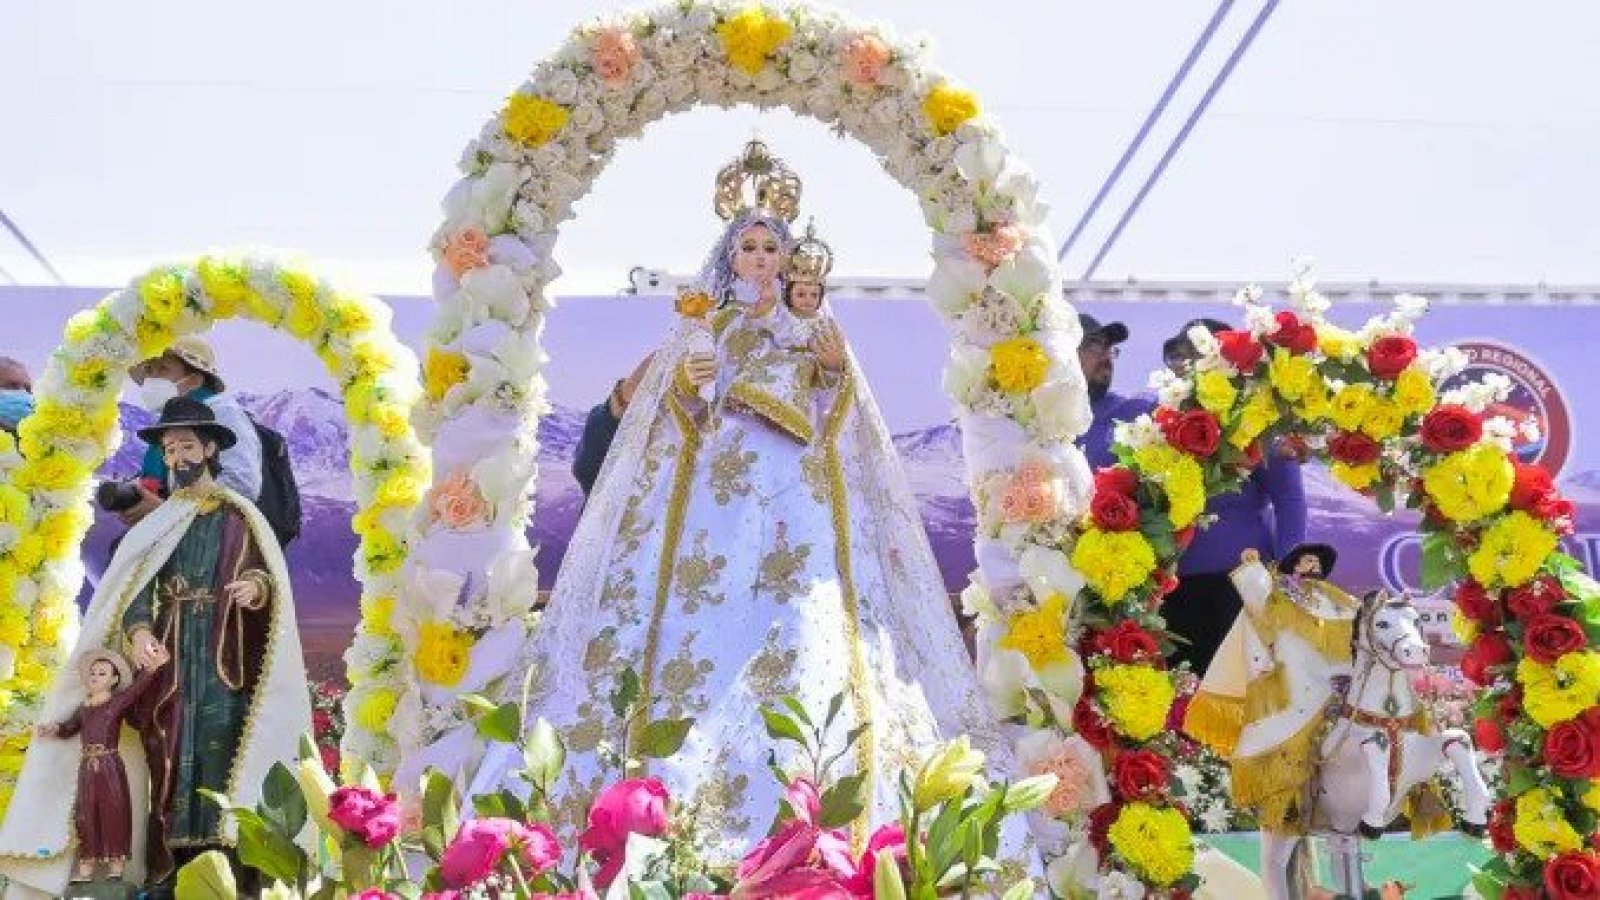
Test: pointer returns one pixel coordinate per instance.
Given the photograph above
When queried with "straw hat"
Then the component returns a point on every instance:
(89, 658)
(197, 354)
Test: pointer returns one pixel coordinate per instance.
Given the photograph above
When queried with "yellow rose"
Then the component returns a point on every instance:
(50, 472)
(1470, 484)
(1315, 403)
(1540, 827)
(443, 654)
(31, 675)
(1561, 691)
(375, 709)
(13, 506)
(1511, 551)
(304, 320)
(1113, 562)
(751, 35)
(13, 626)
(1260, 413)
(370, 358)
(1215, 391)
(381, 551)
(302, 286)
(1351, 405)
(50, 618)
(948, 108)
(533, 121)
(89, 323)
(1384, 420)
(377, 613)
(1337, 343)
(443, 370)
(400, 491)
(151, 338)
(1019, 365)
(1413, 391)
(1290, 375)
(1040, 634)
(1357, 478)
(60, 531)
(352, 315)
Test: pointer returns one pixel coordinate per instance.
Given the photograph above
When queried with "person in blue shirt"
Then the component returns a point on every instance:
(1097, 353)
(1267, 514)
(600, 427)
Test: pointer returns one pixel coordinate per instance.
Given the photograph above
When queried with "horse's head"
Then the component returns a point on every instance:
(1387, 628)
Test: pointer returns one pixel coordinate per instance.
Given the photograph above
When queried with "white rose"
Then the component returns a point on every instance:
(803, 66)
(652, 104)
(1061, 410)
(558, 84)
(679, 88)
(885, 113)
(497, 291)
(679, 57)
(966, 373)
(587, 118)
(768, 80)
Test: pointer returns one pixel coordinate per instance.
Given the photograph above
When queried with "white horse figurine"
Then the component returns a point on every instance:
(1380, 749)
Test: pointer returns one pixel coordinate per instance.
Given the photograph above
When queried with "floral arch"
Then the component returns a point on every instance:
(1368, 403)
(46, 475)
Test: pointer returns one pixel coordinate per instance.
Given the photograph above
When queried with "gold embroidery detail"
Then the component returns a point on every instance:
(767, 676)
(730, 470)
(814, 469)
(774, 409)
(677, 503)
(590, 729)
(682, 676)
(601, 653)
(780, 569)
(622, 594)
(697, 573)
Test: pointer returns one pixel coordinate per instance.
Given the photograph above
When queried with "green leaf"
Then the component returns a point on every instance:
(1489, 887)
(1022, 890)
(663, 737)
(799, 710)
(503, 724)
(262, 847)
(1438, 560)
(206, 877)
(440, 813)
(477, 705)
(626, 694)
(781, 727)
(359, 863)
(1520, 780)
(834, 705)
(1384, 494)
(843, 802)
(544, 754)
(283, 804)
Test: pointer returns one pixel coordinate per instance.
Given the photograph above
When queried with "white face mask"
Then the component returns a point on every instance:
(155, 392)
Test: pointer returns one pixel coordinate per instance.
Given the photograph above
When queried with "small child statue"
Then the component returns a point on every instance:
(104, 810)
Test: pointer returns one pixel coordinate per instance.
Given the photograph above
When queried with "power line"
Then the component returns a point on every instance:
(28, 245)
(1150, 118)
(1183, 134)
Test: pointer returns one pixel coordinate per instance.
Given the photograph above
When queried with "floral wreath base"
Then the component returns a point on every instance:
(46, 474)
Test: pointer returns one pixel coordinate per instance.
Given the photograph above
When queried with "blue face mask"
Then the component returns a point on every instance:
(15, 405)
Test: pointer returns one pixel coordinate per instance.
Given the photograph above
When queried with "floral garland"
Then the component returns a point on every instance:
(1013, 371)
(1368, 402)
(46, 479)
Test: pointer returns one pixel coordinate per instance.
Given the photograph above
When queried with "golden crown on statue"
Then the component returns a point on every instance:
(757, 180)
(811, 259)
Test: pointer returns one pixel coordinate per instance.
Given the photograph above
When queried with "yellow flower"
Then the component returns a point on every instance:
(32, 676)
(1019, 365)
(1315, 404)
(1040, 634)
(1290, 375)
(1541, 828)
(400, 490)
(1113, 562)
(751, 35)
(227, 283)
(13, 506)
(304, 320)
(391, 420)
(442, 654)
(1511, 551)
(90, 374)
(375, 709)
(11, 761)
(88, 323)
(1560, 691)
(151, 338)
(1337, 343)
(51, 421)
(302, 286)
(370, 358)
(1215, 391)
(534, 121)
(1470, 484)
(60, 531)
(381, 551)
(51, 472)
(13, 626)
(1180, 476)
(1155, 841)
(1591, 796)
(1259, 414)
(947, 774)
(1384, 420)
(1137, 699)
(1351, 405)
(351, 314)
(1355, 477)
(162, 293)
(1465, 629)
(1413, 391)
(443, 370)
(948, 108)
(50, 618)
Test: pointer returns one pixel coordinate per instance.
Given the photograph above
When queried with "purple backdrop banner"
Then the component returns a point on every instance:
(901, 344)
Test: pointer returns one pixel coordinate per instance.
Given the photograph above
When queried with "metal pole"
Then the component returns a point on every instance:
(1150, 118)
(28, 245)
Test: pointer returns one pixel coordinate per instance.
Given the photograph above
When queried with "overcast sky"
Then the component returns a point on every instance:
(1445, 140)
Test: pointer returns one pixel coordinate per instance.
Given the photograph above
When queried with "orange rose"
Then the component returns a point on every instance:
(466, 250)
(991, 248)
(457, 503)
(613, 54)
(865, 58)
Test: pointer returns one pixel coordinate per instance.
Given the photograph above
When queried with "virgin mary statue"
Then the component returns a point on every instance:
(751, 536)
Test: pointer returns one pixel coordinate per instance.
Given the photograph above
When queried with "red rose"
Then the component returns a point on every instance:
(1293, 335)
(1195, 432)
(1557, 510)
(1140, 775)
(1536, 597)
(1127, 643)
(1509, 706)
(1476, 603)
(1388, 356)
(1166, 582)
(1100, 820)
(1572, 748)
(321, 721)
(1573, 876)
(1113, 511)
(1451, 427)
(1116, 480)
(1487, 652)
(1520, 892)
(1501, 818)
(1252, 456)
(1184, 536)
(1549, 637)
(1093, 726)
(330, 760)
(1241, 350)
(1531, 482)
(1354, 448)
(1487, 735)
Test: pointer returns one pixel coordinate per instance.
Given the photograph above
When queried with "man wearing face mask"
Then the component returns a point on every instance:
(14, 376)
(200, 582)
(189, 369)
(1097, 353)
(15, 406)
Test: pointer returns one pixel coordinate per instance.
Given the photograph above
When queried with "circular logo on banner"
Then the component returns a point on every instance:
(1534, 398)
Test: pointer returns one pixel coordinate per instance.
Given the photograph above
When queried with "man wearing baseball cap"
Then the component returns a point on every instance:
(189, 369)
(1097, 353)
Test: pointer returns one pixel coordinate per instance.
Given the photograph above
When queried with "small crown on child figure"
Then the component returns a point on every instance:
(811, 259)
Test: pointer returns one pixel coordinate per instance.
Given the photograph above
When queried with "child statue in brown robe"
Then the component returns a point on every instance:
(104, 813)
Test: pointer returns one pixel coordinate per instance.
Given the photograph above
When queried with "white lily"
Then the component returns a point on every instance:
(1025, 276)
(956, 284)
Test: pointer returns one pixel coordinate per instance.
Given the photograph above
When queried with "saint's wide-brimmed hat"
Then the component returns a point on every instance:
(187, 412)
(106, 654)
(1324, 553)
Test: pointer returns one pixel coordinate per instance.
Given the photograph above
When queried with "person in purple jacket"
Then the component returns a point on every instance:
(1267, 514)
(1097, 353)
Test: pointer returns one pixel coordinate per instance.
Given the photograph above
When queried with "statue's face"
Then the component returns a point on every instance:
(103, 676)
(186, 453)
(1308, 566)
(757, 254)
(805, 297)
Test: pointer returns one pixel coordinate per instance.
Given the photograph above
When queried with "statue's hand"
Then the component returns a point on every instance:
(700, 368)
(1249, 556)
(148, 653)
(245, 593)
(828, 346)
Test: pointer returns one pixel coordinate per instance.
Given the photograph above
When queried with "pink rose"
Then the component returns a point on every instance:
(538, 847)
(372, 817)
(865, 58)
(442, 895)
(457, 503)
(994, 247)
(635, 806)
(804, 798)
(890, 839)
(476, 851)
(779, 867)
(466, 250)
(613, 54)
(375, 894)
